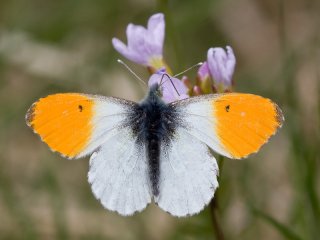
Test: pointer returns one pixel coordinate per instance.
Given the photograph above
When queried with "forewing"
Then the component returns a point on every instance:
(76, 124)
(188, 175)
(119, 174)
(234, 125)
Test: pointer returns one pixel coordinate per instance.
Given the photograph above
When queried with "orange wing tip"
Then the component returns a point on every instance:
(29, 117)
(63, 122)
(245, 122)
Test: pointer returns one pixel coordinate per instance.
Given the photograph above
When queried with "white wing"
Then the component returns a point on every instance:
(188, 175)
(119, 174)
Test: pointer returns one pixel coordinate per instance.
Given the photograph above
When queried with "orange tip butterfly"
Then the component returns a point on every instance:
(153, 150)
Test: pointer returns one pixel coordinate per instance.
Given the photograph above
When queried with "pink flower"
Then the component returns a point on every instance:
(145, 45)
(204, 81)
(203, 71)
(221, 66)
(171, 90)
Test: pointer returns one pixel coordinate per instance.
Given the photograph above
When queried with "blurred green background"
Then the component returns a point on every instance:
(65, 46)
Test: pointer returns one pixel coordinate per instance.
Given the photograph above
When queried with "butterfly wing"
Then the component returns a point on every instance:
(234, 125)
(76, 124)
(119, 174)
(188, 175)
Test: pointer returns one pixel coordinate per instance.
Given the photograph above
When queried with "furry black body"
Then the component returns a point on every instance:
(154, 122)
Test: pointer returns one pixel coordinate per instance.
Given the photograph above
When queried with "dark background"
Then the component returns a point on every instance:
(65, 46)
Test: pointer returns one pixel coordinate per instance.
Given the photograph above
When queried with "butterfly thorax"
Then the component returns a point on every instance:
(154, 122)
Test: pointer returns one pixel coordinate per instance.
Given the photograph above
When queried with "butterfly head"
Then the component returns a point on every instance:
(155, 91)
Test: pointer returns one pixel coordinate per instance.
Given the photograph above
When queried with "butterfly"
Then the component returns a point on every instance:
(154, 150)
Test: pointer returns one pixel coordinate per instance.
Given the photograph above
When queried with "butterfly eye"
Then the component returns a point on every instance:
(228, 108)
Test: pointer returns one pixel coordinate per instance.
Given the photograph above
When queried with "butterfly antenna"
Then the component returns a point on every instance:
(188, 69)
(132, 72)
(166, 75)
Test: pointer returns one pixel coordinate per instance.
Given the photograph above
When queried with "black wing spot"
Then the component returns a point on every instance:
(228, 108)
(80, 108)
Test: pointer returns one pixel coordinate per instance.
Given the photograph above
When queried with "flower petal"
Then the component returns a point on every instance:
(221, 65)
(123, 49)
(156, 28)
(231, 62)
(203, 71)
(145, 45)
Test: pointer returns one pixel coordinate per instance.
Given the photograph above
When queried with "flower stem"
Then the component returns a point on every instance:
(214, 208)
(215, 223)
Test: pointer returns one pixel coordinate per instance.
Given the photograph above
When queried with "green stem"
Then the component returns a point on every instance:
(214, 207)
(215, 223)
